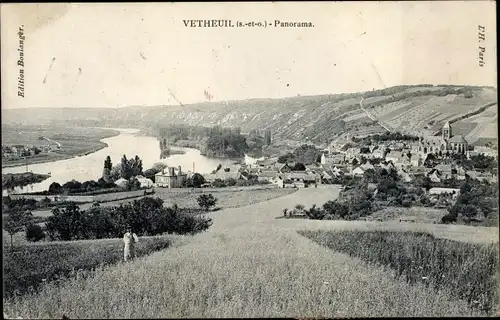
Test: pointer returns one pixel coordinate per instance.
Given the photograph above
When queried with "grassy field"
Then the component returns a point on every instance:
(226, 199)
(467, 271)
(75, 141)
(29, 266)
(250, 264)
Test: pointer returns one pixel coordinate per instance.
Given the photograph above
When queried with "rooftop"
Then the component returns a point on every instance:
(458, 139)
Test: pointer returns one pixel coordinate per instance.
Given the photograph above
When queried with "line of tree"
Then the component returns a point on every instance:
(146, 216)
(305, 154)
(13, 180)
(225, 144)
(386, 136)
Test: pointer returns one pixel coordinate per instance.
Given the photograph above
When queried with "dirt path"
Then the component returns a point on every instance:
(372, 117)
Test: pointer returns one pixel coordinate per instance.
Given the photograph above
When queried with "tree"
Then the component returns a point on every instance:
(115, 173)
(299, 167)
(206, 201)
(72, 186)
(55, 188)
(469, 211)
(195, 181)
(15, 220)
(125, 170)
(68, 223)
(159, 167)
(335, 208)
(354, 162)
(133, 184)
(34, 233)
(134, 167)
(106, 173)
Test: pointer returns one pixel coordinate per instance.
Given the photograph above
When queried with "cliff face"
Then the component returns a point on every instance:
(316, 118)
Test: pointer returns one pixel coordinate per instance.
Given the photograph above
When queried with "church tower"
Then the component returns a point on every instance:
(446, 131)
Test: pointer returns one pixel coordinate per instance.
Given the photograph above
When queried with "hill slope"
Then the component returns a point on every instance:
(419, 110)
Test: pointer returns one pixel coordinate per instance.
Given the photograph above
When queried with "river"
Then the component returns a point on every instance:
(89, 167)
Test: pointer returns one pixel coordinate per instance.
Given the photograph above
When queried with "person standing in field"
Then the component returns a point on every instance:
(130, 239)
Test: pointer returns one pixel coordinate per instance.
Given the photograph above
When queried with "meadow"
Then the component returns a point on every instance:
(225, 198)
(467, 271)
(186, 199)
(249, 264)
(28, 266)
(75, 141)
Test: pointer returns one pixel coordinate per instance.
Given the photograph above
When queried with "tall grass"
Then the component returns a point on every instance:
(468, 271)
(29, 266)
(237, 274)
(246, 265)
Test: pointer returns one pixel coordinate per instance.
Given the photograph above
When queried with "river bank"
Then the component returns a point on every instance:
(129, 143)
(50, 157)
(73, 142)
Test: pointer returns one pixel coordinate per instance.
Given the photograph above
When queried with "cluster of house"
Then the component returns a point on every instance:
(19, 151)
(264, 171)
(406, 158)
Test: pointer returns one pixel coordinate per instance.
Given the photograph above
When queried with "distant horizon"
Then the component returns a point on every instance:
(245, 99)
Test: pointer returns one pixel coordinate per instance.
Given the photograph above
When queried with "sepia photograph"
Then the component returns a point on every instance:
(249, 160)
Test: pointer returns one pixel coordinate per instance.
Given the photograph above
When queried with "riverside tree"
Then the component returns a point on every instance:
(106, 173)
(130, 168)
(15, 220)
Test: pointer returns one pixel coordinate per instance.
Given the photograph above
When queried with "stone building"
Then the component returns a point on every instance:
(447, 142)
(170, 178)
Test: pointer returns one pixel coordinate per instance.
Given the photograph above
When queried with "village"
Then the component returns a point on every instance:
(19, 151)
(433, 157)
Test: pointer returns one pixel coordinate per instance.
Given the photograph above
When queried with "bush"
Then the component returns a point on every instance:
(218, 183)
(449, 218)
(34, 233)
(206, 201)
(315, 213)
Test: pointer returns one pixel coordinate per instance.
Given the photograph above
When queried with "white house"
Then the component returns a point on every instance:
(145, 182)
(277, 181)
(358, 172)
(367, 166)
(122, 183)
(378, 153)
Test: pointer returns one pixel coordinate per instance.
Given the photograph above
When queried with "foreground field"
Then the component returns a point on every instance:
(468, 271)
(74, 141)
(28, 266)
(249, 264)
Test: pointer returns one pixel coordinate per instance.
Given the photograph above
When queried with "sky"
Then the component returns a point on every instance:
(114, 55)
